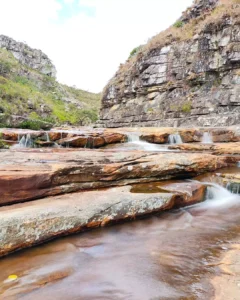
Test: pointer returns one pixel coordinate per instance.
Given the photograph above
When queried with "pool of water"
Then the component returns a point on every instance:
(172, 255)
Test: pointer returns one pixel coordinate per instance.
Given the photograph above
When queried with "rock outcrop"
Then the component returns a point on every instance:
(77, 138)
(27, 224)
(32, 174)
(33, 58)
(188, 75)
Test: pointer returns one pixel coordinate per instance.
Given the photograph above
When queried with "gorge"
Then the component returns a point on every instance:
(144, 204)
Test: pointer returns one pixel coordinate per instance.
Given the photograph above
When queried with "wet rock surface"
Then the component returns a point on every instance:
(171, 255)
(76, 138)
(36, 173)
(96, 138)
(26, 224)
(217, 149)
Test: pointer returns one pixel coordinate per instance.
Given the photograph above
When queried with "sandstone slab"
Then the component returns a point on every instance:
(76, 138)
(217, 149)
(36, 173)
(27, 224)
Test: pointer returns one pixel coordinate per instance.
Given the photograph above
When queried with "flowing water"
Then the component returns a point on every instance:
(24, 141)
(170, 256)
(135, 143)
(174, 139)
(207, 138)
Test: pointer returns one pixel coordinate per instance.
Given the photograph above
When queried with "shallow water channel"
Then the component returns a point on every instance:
(172, 255)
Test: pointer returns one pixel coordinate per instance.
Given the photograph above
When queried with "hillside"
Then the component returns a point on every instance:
(30, 96)
(188, 75)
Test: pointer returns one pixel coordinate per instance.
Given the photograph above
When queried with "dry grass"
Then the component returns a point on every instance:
(225, 8)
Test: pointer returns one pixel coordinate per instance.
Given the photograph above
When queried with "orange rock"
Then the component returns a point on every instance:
(32, 174)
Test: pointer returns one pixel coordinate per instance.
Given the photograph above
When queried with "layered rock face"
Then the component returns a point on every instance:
(33, 58)
(191, 81)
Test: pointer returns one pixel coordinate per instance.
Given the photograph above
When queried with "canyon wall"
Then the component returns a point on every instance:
(188, 75)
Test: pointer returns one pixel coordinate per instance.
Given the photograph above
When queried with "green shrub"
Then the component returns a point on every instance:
(178, 24)
(21, 80)
(135, 51)
(85, 117)
(186, 107)
(30, 124)
(36, 124)
(5, 67)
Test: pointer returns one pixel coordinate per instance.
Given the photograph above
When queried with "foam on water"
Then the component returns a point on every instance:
(174, 139)
(134, 139)
(207, 138)
(218, 196)
(24, 141)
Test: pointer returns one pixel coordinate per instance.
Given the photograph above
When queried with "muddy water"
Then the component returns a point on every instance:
(170, 256)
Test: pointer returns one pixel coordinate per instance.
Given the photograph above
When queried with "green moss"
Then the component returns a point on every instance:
(174, 107)
(150, 110)
(2, 144)
(186, 107)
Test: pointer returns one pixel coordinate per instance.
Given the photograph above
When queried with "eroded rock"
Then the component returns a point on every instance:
(27, 224)
(31, 174)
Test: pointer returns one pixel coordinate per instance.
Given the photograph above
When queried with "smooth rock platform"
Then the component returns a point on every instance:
(34, 222)
(50, 192)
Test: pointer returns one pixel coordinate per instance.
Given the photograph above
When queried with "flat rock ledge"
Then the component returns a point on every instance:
(28, 175)
(217, 149)
(75, 138)
(95, 138)
(27, 224)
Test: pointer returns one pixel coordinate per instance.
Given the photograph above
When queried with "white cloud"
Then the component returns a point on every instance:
(68, 1)
(86, 49)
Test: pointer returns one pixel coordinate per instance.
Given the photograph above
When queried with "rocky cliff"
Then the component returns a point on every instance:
(186, 75)
(30, 96)
(33, 58)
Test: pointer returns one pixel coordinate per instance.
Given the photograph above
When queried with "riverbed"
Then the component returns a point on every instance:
(172, 255)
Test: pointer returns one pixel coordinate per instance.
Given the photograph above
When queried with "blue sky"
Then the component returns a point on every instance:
(73, 8)
(87, 39)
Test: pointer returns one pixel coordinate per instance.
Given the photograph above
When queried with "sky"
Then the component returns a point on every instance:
(87, 40)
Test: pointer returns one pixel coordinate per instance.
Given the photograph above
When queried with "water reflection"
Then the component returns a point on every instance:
(169, 256)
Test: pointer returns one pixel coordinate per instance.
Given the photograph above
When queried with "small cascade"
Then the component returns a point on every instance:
(25, 141)
(218, 196)
(207, 138)
(175, 139)
(233, 187)
(134, 139)
(47, 137)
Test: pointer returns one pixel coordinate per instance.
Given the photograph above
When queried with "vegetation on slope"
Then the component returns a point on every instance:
(29, 99)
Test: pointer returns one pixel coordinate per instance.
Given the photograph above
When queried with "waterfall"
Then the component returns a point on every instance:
(207, 138)
(218, 196)
(25, 141)
(47, 137)
(175, 139)
(134, 139)
(233, 187)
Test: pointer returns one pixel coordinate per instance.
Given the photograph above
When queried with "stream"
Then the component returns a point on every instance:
(172, 255)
